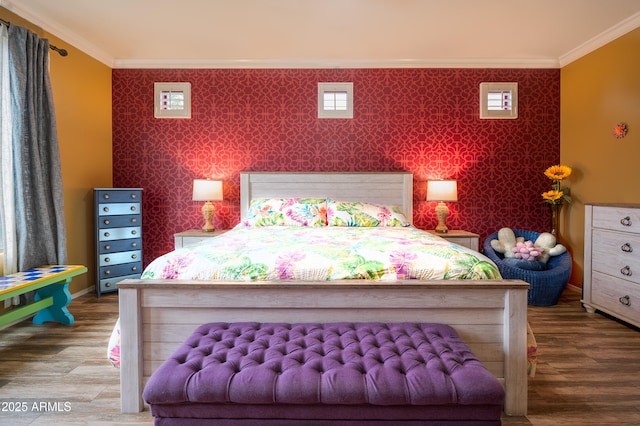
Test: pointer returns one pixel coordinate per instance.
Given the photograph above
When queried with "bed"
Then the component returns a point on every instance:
(490, 314)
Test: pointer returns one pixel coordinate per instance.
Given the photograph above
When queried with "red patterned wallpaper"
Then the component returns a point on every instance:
(425, 121)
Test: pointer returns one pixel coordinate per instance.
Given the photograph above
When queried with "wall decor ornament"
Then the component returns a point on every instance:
(620, 131)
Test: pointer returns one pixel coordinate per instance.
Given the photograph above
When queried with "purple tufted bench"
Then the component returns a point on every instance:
(318, 374)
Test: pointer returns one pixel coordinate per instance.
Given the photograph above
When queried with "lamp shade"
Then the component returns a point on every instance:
(207, 190)
(442, 190)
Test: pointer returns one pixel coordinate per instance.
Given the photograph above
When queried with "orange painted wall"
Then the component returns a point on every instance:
(82, 97)
(598, 91)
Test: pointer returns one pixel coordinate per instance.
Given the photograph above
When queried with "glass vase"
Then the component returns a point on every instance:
(555, 218)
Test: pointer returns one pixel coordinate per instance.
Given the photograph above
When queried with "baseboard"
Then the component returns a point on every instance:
(82, 292)
(574, 288)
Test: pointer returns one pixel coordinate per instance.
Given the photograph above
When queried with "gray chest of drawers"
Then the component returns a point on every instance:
(612, 261)
(118, 236)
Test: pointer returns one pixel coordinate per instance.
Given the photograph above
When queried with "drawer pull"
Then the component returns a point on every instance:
(106, 196)
(135, 268)
(107, 259)
(106, 222)
(105, 209)
(134, 220)
(626, 271)
(134, 196)
(626, 247)
(626, 221)
(133, 208)
(106, 234)
(625, 300)
(107, 272)
(133, 232)
(134, 244)
(107, 247)
(134, 256)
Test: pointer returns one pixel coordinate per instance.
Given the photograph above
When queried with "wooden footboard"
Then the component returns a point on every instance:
(490, 316)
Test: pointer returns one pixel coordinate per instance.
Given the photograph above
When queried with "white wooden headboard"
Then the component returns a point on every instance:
(390, 188)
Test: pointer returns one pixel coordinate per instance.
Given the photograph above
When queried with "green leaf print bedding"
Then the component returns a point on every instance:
(274, 253)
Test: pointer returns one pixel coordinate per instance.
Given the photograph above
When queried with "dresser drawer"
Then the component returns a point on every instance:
(194, 236)
(119, 221)
(118, 209)
(118, 196)
(119, 270)
(109, 284)
(121, 257)
(624, 219)
(119, 233)
(616, 296)
(616, 254)
(119, 245)
(192, 241)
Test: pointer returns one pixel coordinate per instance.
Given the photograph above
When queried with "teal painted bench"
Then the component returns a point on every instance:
(52, 297)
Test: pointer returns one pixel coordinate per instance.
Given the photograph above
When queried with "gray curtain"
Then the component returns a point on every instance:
(39, 212)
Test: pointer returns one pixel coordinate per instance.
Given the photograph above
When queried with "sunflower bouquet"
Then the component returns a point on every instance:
(558, 194)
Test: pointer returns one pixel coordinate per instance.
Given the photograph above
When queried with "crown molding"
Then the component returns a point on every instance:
(627, 25)
(338, 63)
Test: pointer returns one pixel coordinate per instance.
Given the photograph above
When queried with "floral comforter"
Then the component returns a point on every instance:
(248, 253)
(323, 253)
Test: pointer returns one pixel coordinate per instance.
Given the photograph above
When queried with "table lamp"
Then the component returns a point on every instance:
(441, 191)
(207, 190)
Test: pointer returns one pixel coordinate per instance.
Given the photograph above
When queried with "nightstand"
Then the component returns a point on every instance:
(464, 238)
(194, 236)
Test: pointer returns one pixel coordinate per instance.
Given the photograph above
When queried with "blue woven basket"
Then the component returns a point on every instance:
(545, 287)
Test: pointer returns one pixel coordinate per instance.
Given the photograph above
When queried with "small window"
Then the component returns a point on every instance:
(172, 100)
(498, 100)
(335, 100)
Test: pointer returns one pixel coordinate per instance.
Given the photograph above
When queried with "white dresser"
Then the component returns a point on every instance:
(612, 261)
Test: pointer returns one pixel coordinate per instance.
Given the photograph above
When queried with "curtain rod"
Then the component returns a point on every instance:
(62, 52)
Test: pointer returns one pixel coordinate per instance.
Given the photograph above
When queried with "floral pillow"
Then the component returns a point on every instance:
(344, 213)
(287, 212)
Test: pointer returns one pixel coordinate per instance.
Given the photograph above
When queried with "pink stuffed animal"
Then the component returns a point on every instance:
(527, 251)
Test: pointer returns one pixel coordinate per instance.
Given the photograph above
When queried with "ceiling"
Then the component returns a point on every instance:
(332, 33)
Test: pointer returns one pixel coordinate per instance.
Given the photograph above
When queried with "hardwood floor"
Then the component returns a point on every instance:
(64, 364)
(588, 369)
